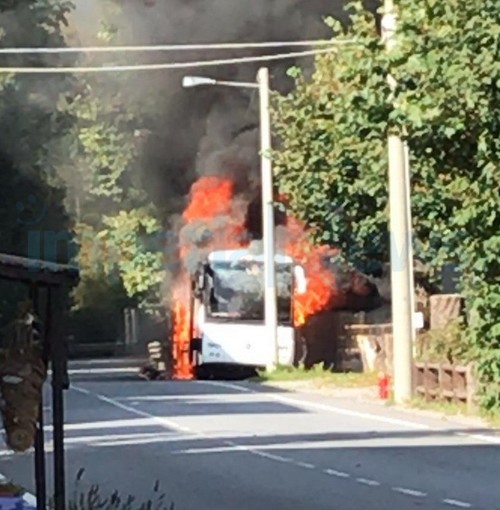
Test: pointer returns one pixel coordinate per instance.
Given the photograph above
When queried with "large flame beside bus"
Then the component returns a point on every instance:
(214, 219)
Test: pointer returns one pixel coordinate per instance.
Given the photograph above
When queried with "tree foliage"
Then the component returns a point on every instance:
(29, 121)
(31, 208)
(332, 162)
(104, 181)
(70, 164)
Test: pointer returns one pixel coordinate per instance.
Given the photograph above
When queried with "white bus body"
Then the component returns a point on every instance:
(239, 340)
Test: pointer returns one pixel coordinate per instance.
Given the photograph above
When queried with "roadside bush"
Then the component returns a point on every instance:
(449, 344)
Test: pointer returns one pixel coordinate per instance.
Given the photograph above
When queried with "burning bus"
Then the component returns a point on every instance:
(227, 328)
(217, 297)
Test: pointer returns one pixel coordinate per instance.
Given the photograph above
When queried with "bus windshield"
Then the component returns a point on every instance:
(237, 291)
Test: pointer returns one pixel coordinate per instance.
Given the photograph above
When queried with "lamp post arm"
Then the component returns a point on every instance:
(237, 84)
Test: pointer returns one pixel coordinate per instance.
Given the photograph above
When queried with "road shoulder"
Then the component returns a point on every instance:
(368, 397)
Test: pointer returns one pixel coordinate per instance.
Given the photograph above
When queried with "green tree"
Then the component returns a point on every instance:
(32, 212)
(449, 100)
(332, 162)
(100, 164)
(30, 121)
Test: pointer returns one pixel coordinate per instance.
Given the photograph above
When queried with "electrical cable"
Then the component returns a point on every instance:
(172, 47)
(164, 66)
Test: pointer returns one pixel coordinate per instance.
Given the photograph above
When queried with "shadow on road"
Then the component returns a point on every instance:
(245, 449)
(129, 369)
(312, 471)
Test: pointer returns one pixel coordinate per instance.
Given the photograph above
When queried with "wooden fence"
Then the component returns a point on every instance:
(443, 382)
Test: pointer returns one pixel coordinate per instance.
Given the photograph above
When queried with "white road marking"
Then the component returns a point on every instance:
(141, 441)
(270, 456)
(305, 465)
(120, 437)
(480, 437)
(457, 503)
(164, 422)
(96, 371)
(229, 386)
(230, 447)
(171, 425)
(111, 361)
(81, 390)
(409, 492)
(354, 414)
(323, 407)
(174, 426)
(234, 447)
(338, 474)
(370, 483)
(109, 424)
(174, 398)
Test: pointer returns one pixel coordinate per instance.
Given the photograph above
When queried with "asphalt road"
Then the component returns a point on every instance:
(240, 446)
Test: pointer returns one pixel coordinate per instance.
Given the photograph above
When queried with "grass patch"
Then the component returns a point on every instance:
(448, 408)
(492, 417)
(319, 377)
(451, 409)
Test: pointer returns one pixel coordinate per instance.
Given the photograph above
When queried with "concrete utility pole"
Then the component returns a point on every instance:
(400, 236)
(270, 296)
(410, 247)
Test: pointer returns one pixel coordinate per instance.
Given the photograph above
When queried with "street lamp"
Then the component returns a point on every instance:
(270, 294)
(196, 81)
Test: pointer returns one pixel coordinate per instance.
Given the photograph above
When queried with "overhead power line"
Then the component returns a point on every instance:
(172, 47)
(169, 65)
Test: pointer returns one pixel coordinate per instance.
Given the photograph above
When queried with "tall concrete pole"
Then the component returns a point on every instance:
(400, 237)
(410, 244)
(270, 294)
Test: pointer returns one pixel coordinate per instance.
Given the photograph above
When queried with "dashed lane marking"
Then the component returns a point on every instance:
(410, 492)
(338, 474)
(305, 465)
(457, 503)
(172, 425)
(492, 439)
(366, 481)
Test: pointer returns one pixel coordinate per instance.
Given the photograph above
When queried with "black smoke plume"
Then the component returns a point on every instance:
(213, 130)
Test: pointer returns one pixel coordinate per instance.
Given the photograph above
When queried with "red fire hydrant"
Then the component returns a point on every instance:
(384, 386)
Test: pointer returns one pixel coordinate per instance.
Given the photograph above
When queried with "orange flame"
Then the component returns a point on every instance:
(215, 208)
(182, 363)
(321, 290)
(212, 198)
